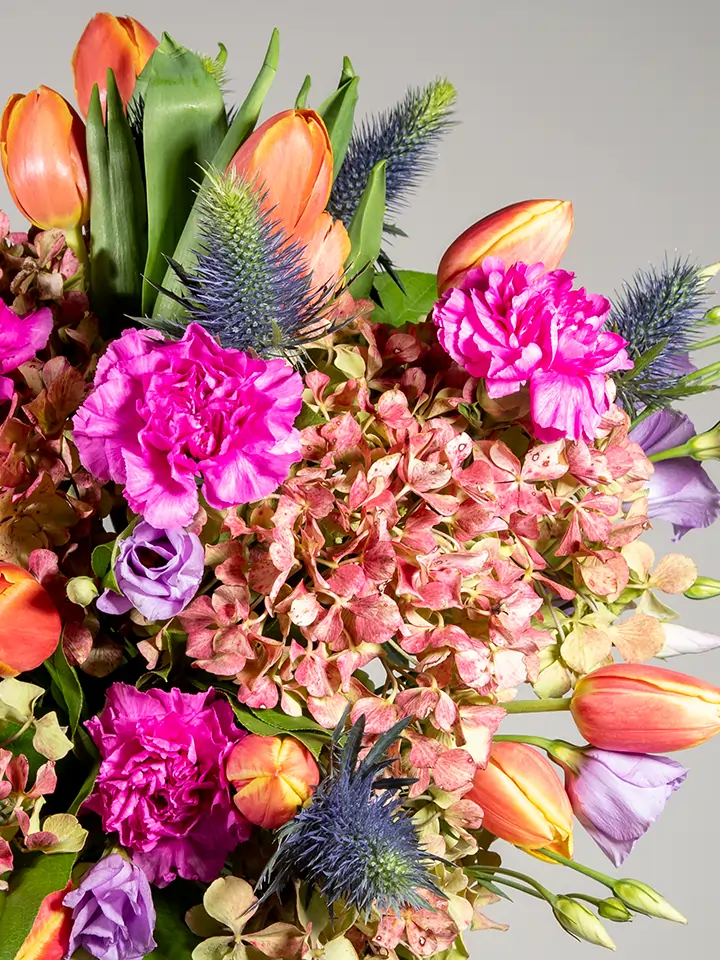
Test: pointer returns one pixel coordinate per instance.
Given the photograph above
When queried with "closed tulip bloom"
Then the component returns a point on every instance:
(290, 158)
(534, 231)
(617, 796)
(523, 800)
(119, 43)
(273, 777)
(30, 625)
(636, 708)
(42, 148)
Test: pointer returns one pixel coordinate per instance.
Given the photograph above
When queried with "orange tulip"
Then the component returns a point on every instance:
(290, 157)
(523, 800)
(636, 708)
(42, 147)
(30, 625)
(49, 937)
(273, 777)
(534, 231)
(119, 43)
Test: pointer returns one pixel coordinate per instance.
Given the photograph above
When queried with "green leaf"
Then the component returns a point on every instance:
(365, 232)
(66, 689)
(413, 305)
(284, 722)
(184, 124)
(240, 129)
(100, 560)
(28, 888)
(308, 418)
(338, 113)
(175, 940)
(118, 210)
(86, 789)
(302, 97)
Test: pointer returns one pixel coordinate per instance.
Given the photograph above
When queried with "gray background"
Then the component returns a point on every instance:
(612, 105)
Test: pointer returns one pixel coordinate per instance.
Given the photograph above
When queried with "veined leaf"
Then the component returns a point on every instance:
(240, 129)
(66, 688)
(184, 123)
(29, 885)
(409, 306)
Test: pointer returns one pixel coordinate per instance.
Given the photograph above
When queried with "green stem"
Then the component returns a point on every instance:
(20, 732)
(491, 878)
(76, 242)
(710, 342)
(647, 412)
(543, 891)
(704, 374)
(541, 742)
(538, 706)
(672, 453)
(581, 868)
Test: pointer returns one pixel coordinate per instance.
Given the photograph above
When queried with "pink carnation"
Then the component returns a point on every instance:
(522, 325)
(162, 783)
(20, 340)
(166, 413)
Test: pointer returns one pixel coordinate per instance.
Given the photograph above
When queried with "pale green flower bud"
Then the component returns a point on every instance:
(643, 899)
(703, 589)
(614, 909)
(581, 922)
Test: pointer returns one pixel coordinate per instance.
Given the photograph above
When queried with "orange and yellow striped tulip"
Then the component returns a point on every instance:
(49, 937)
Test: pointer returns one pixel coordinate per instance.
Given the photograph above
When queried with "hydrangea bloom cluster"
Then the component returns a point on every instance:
(523, 325)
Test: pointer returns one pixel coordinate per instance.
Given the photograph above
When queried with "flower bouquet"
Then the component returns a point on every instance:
(286, 532)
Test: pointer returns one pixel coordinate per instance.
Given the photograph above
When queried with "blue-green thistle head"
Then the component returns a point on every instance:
(251, 286)
(354, 842)
(659, 313)
(406, 137)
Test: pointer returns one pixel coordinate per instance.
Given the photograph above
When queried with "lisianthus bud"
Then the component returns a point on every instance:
(42, 147)
(273, 777)
(581, 922)
(107, 42)
(523, 800)
(636, 708)
(614, 909)
(30, 625)
(643, 899)
(703, 589)
(532, 231)
(705, 446)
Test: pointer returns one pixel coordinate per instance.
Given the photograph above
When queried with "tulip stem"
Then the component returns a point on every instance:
(541, 742)
(76, 242)
(538, 706)
(580, 867)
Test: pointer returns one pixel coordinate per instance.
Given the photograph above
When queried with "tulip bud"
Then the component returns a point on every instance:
(703, 589)
(30, 625)
(614, 909)
(42, 148)
(643, 899)
(636, 708)
(273, 777)
(534, 231)
(120, 44)
(523, 799)
(581, 922)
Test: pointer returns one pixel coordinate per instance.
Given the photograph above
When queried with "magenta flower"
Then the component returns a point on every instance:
(618, 796)
(162, 783)
(20, 339)
(165, 414)
(527, 326)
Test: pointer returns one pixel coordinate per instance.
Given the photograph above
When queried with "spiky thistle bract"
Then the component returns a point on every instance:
(250, 286)
(406, 137)
(354, 842)
(659, 312)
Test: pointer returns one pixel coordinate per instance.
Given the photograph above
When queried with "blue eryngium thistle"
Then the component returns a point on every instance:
(250, 286)
(406, 136)
(354, 842)
(659, 312)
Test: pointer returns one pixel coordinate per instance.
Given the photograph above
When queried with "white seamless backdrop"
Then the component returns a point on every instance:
(613, 106)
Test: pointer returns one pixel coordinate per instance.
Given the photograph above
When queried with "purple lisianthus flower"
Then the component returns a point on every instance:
(162, 783)
(618, 796)
(158, 572)
(680, 491)
(112, 912)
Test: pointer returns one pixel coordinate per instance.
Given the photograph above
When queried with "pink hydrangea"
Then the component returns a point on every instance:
(162, 783)
(522, 325)
(20, 340)
(164, 414)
